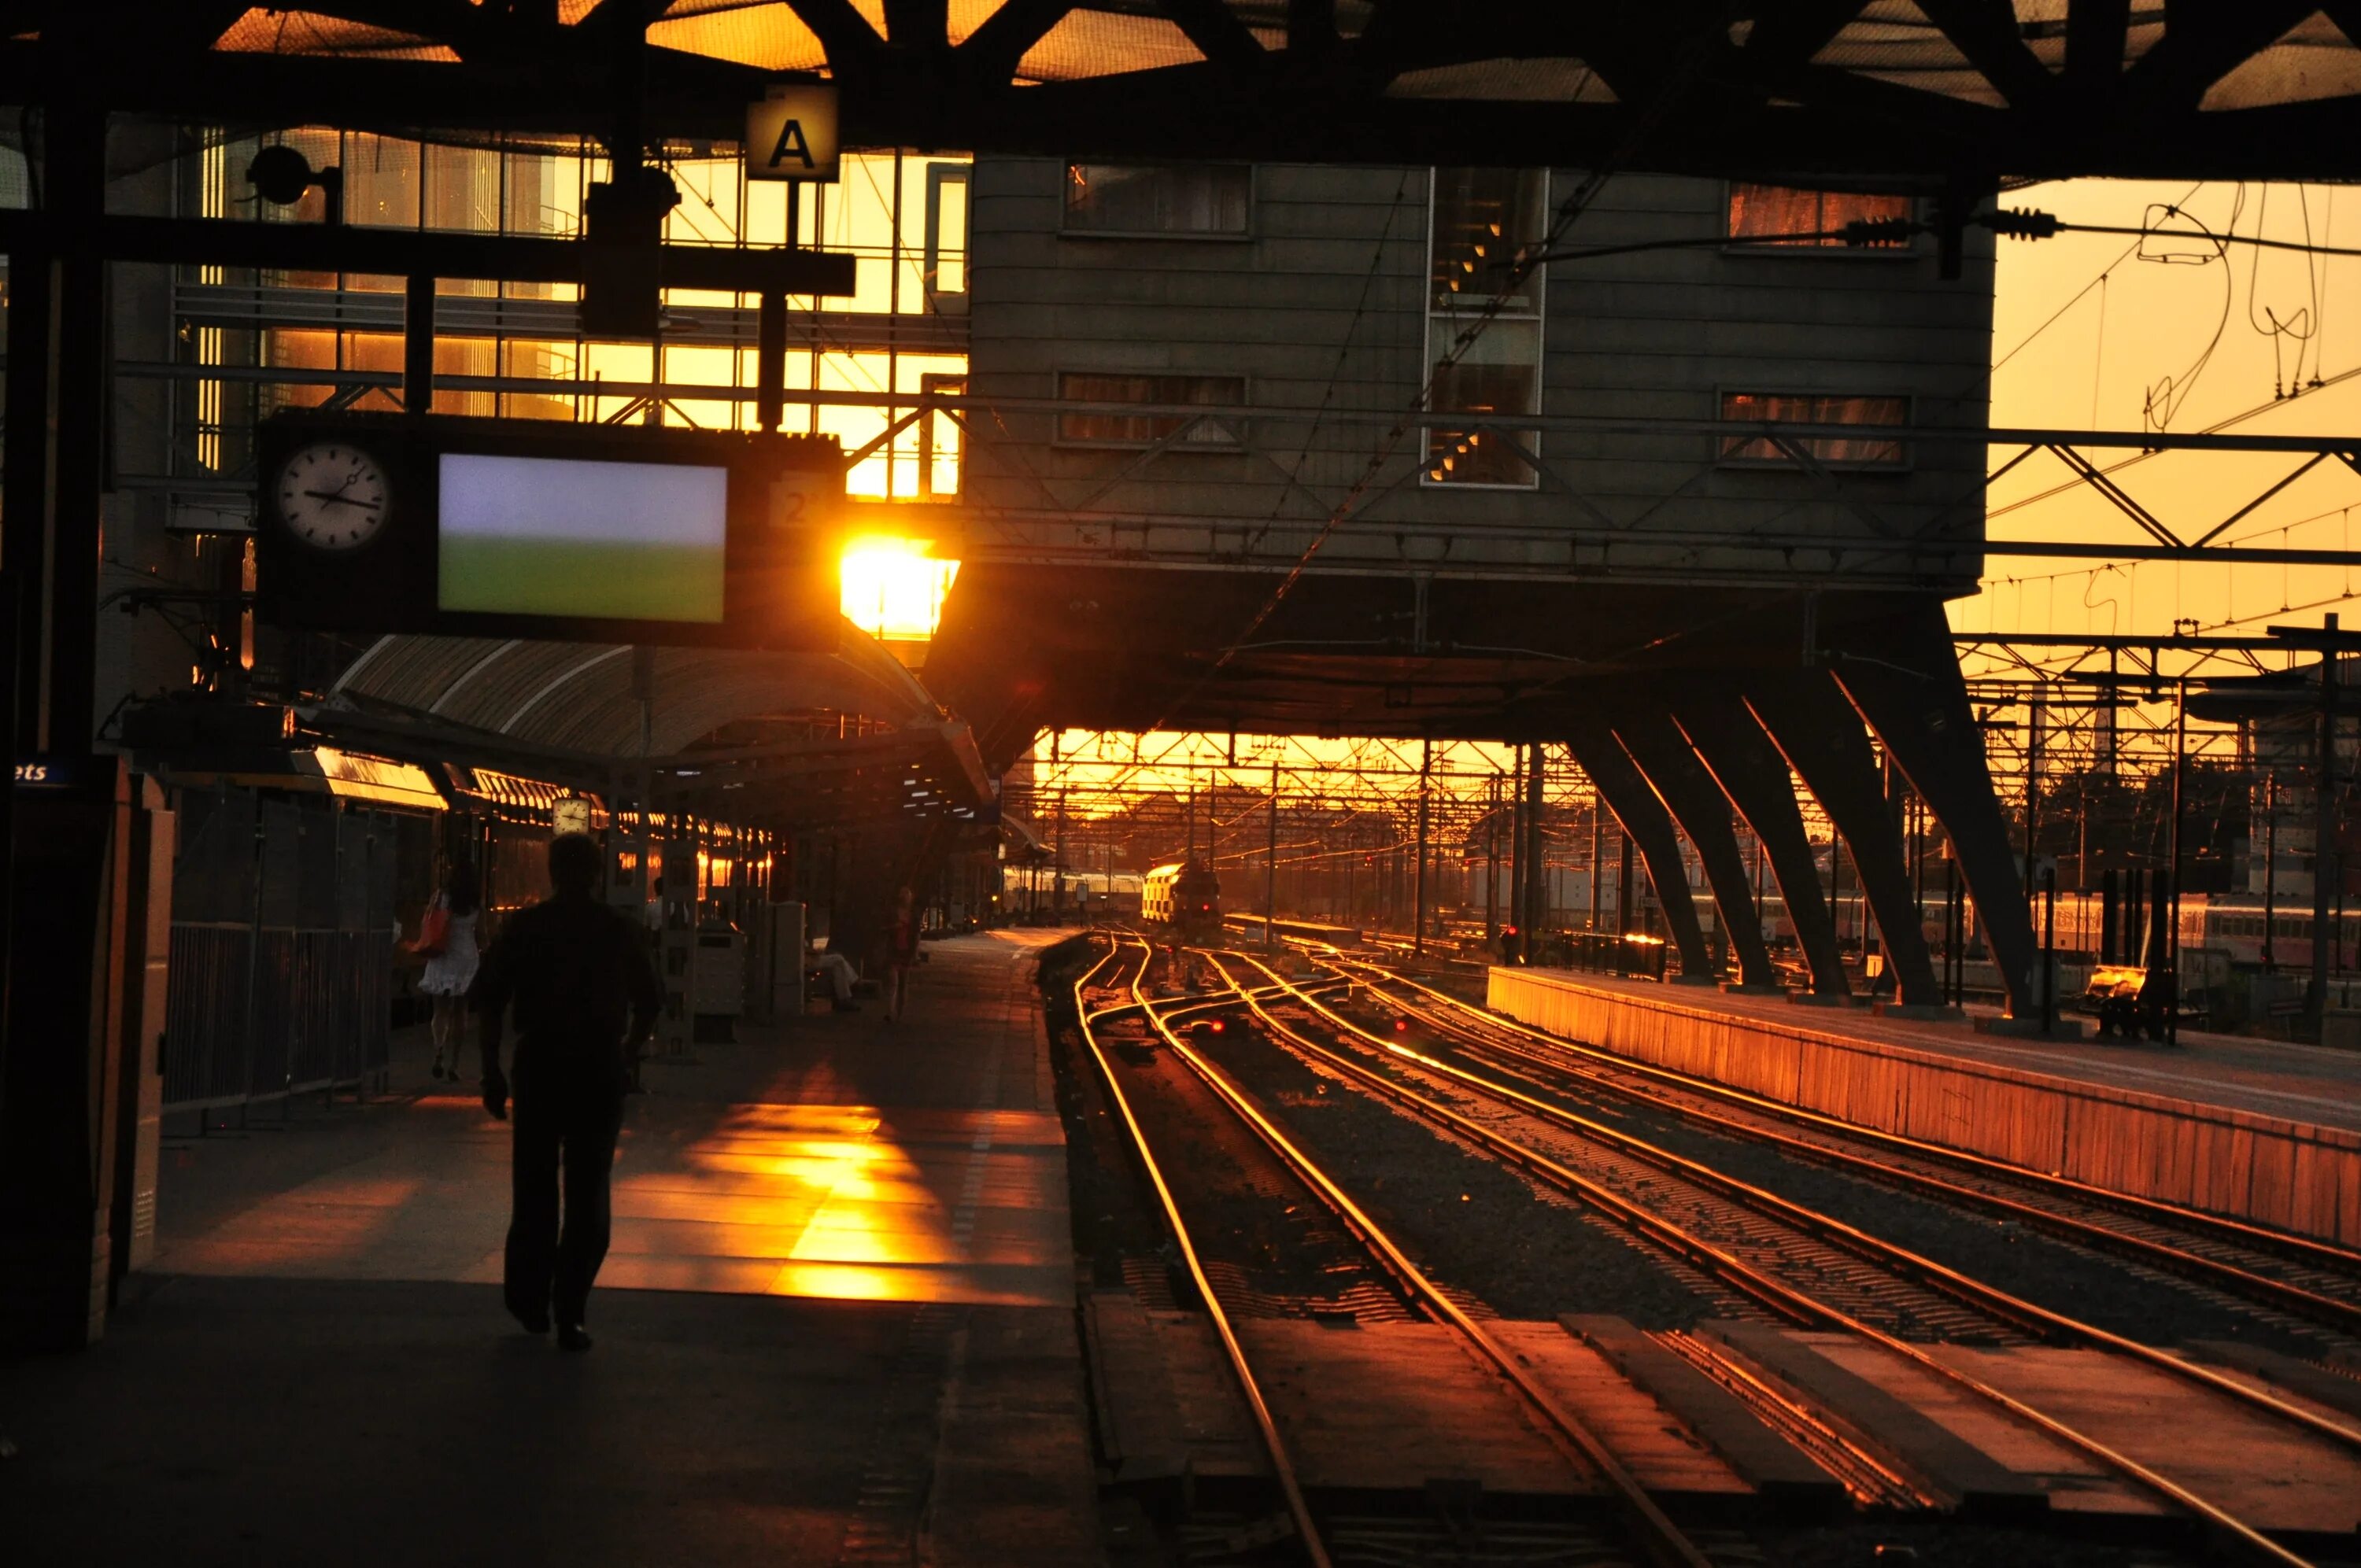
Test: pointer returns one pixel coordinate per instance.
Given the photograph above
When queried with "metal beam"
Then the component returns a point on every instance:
(322, 248)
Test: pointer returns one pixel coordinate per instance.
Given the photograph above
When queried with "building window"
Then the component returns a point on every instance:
(1112, 428)
(1817, 408)
(1764, 213)
(1481, 219)
(1206, 200)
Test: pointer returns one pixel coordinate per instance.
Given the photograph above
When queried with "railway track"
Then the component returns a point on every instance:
(1651, 1532)
(2303, 1279)
(1503, 1105)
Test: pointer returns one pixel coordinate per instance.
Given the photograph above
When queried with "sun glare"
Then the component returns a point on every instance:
(892, 589)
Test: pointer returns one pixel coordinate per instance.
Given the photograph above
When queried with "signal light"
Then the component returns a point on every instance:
(1401, 1025)
(1220, 1025)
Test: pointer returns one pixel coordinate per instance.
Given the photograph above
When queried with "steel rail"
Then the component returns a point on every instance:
(1975, 1292)
(1282, 1466)
(2302, 1249)
(1651, 1530)
(2245, 1537)
(2329, 1310)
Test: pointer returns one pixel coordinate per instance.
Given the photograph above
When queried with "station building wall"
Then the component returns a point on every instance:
(1316, 308)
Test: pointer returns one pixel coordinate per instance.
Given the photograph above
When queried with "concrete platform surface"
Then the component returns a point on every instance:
(837, 1324)
(2265, 1131)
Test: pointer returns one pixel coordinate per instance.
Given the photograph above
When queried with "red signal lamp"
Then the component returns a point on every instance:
(1401, 1025)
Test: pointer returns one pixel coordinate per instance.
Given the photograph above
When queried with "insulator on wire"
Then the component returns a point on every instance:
(2023, 222)
(1880, 231)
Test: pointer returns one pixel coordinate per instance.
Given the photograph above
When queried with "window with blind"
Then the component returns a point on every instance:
(1111, 427)
(1481, 219)
(1767, 213)
(1207, 201)
(1864, 451)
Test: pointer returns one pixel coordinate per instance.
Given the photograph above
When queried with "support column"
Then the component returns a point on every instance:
(1650, 825)
(60, 925)
(1665, 761)
(1907, 685)
(1754, 776)
(1823, 739)
(1528, 916)
(1425, 776)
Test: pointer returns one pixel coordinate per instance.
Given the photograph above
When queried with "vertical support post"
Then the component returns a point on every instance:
(2172, 939)
(1534, 872)
(2323, 829)
(2032, 789)
(2110, 915)
(1623, 884)
(1597, 857)
(1492, 859)
(2049, 949)
(771, 358)
(418, 346)
(1517, 850)
(1270, 871)
(1952, 956)
(1425, 777)
(2270, 866)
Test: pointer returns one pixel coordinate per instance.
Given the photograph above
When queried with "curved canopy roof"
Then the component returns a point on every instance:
(1914, 89)
(585, 697)
(794, 739)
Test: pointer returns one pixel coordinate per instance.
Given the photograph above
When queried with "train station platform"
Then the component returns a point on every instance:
(2261, 1130)
(837, 1324)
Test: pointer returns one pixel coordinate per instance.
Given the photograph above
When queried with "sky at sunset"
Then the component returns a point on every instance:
(2192, 344)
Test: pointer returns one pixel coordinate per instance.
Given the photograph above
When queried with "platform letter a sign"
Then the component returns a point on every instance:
(792, 135)
(792, 145)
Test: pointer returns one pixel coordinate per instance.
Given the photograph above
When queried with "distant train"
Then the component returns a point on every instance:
(1185, 896)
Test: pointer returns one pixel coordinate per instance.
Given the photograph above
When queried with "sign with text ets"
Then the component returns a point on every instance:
(791, 135)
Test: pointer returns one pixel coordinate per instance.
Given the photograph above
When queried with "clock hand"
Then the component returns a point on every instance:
(338, 497)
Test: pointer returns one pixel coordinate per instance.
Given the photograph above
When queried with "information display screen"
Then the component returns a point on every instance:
(582, 539)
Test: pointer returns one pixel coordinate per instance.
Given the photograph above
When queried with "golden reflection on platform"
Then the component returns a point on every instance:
(842, 1201)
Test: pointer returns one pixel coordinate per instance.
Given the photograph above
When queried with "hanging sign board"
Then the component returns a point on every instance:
(791, 135)
(643, 535)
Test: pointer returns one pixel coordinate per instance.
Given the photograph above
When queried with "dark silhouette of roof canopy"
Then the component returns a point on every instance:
(1917, 92)
(572, 713)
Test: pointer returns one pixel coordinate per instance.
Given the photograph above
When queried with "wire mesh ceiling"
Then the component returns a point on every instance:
(1918, 90)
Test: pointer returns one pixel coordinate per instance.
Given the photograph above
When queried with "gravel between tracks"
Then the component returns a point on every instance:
(2125, 1297)
(1473, 1224)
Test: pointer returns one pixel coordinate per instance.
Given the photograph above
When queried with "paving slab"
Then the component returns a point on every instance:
(837, 1324)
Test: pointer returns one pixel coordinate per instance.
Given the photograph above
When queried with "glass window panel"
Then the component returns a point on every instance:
(1114, 429)
(382, 181)
(540, 360)
(460, 188)
(1482, 217)
(1766, 212)
(1158, 199)
(1818, 408)
(1499, 374)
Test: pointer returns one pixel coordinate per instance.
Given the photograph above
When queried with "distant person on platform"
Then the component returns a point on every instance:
(447, 938)
(586, 999)
(901, 952)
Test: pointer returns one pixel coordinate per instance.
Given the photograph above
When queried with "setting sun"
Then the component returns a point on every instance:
(892, 589)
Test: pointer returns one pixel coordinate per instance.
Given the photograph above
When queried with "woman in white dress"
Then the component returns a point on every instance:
(451, 970)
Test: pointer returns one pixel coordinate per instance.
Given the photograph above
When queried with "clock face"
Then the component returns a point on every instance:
(334, 496)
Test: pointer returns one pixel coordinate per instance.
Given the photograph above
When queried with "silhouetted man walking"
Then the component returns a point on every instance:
(577, 972)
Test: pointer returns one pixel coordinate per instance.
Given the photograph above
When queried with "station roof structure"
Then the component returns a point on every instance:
(1918, 92)
(723, 731)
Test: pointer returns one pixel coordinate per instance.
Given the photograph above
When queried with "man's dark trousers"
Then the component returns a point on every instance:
(561, 1122)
